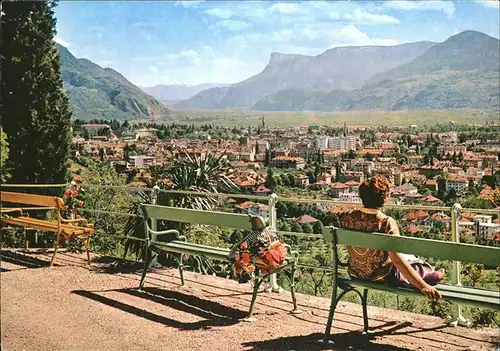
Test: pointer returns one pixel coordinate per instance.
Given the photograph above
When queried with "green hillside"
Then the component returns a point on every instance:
(102, 93)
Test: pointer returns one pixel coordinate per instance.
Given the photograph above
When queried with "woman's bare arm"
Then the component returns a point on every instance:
(413, 277)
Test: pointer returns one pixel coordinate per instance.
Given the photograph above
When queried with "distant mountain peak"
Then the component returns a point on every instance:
(278, 57)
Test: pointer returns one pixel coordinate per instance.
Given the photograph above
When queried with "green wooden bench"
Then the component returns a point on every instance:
(176, 245)
(422, 247)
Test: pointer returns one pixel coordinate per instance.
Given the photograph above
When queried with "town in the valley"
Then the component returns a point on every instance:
(426, 165)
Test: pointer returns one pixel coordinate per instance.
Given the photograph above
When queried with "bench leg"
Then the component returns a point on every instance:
(181, 269)
(87, 246)
(292, 290)
(333, 305)
(148, 257)
(254, 297)
(56, 247)
(364, 303)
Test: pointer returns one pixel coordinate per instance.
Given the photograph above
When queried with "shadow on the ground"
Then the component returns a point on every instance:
(313, 342)
(213, 313)
(112, 265)
(21, 259)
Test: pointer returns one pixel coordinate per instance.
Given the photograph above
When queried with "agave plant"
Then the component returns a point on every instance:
(194, 174)
(203, 175)
(134, 226)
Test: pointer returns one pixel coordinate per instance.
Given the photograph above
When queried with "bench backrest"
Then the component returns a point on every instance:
(444, 250)
(186, 215)
(31, 199)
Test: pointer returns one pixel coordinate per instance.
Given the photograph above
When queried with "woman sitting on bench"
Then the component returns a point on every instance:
(378, 265)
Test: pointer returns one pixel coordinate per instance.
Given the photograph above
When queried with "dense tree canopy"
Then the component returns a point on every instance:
(35, 114)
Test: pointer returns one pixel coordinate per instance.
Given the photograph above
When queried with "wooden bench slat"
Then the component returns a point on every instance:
(486, 255)
(185, 215)
(45, 225)
(31, 199)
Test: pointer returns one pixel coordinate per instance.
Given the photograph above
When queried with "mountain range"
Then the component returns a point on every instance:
(461, 72)
(103, 93)
(180, 91)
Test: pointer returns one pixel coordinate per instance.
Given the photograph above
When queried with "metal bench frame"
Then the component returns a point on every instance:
(178, 246)
(444, 250)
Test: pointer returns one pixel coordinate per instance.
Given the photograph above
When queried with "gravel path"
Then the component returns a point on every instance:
(71, 307)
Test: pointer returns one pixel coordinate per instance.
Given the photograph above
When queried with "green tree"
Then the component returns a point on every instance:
(35, 113)
(270, 179)
(267, 159)
(318, 227)
(307, 228)
(4, 155)
(285, 227)
(296, 228)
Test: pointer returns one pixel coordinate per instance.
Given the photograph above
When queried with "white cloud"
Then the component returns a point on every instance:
(190, 56)
(62, 42)
(232, 25)
(364, 17)
(206, 67)
(285, 8)
(446, 7)
(218, 12)
(190, 3)
(350, 35)
(153, 69)
(493, 4)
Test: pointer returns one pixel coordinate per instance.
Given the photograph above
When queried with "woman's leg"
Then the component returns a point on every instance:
(425, 271)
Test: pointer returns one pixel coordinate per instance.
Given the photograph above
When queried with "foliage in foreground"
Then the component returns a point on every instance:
(35, 113)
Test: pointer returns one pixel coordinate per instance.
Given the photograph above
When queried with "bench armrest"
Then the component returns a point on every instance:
(154, 233)
(293, 253)
(9, 210)
(83, 220)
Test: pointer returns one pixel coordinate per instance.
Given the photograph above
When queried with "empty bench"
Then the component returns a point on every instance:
(172, 242)
(489, 256)
(62, 227)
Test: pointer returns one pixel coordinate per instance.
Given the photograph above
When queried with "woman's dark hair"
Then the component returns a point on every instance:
(374, 191)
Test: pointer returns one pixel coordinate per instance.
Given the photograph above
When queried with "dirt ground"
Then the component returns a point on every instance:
(72, 307)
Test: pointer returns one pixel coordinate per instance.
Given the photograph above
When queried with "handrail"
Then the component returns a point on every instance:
(262, 198)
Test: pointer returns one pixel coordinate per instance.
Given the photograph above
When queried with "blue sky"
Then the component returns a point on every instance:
(162, 42)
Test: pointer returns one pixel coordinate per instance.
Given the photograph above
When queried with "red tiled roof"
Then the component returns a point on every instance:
(414, 229)
(414, 215)
(430, 198)
(305, 219)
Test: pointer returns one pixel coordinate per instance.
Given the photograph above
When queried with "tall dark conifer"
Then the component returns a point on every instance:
(35, 113)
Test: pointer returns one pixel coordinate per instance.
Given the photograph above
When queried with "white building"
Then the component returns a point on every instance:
(460, 185)
(487, 230)
(344, 143)
(484, 227)
(350, 197)
(142, 161)
(322, 142)
(145, 133)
